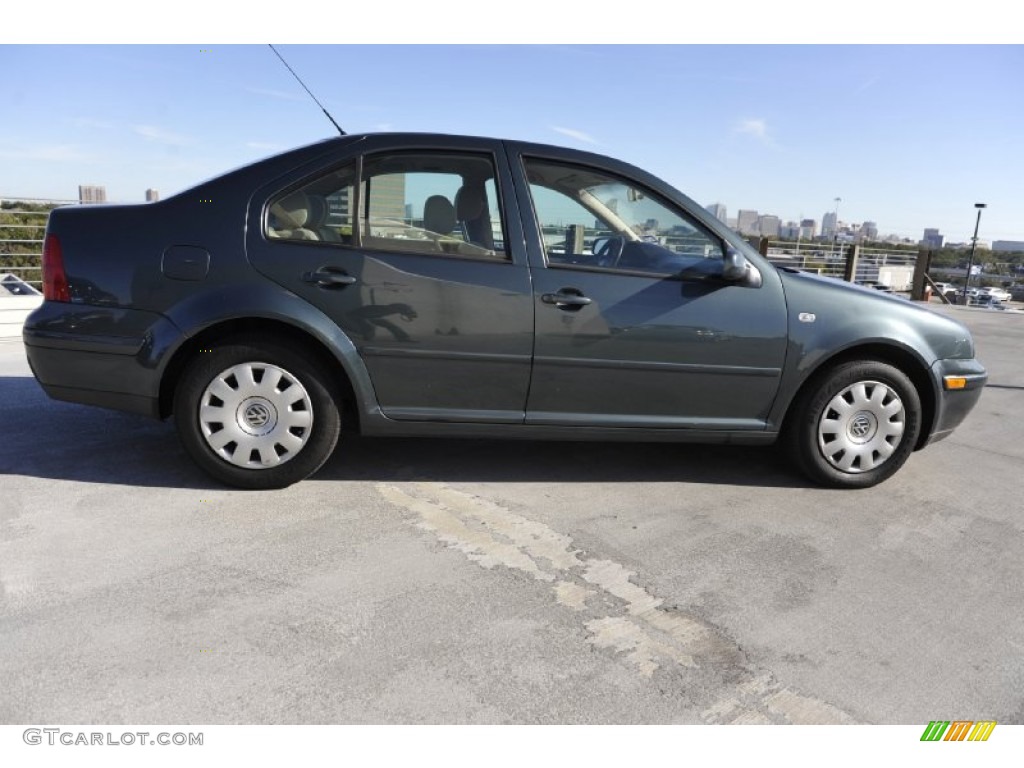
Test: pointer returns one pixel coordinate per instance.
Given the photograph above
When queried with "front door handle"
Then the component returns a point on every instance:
(567, 298)
(329, 277)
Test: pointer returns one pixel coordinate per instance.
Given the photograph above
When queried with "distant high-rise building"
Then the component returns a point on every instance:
(338, 208)
(790, 230)
(869, 230)
(808, 229)
(91, 194)
(746, 222)
(718, 211)
(152, 195)
(1008, 245)
(387, 197)
(768, 225)
(933, 239)
(829, 225)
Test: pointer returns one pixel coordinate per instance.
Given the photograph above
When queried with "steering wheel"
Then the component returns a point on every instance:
(609, 251)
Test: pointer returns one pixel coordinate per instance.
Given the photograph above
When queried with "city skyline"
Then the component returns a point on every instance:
(786, 227)
(168, 117)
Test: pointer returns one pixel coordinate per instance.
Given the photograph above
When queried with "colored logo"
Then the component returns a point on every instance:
(958, 730)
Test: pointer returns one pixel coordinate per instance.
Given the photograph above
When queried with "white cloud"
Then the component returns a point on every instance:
(868, 83)
(275, 94)
(161, 136)
(90, 122)
(574, 134)
(755, 127)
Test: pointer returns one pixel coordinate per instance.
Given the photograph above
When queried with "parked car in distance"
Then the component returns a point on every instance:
(424, 284)
(878, 286)
(12, 285)
(986, 301)
(995, 292)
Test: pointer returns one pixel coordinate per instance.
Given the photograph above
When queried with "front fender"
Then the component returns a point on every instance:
(830, 319)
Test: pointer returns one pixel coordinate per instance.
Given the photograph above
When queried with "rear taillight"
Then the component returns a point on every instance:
(55, 281)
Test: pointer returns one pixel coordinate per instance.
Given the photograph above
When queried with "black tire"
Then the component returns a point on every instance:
(854, 425)
(277, 411)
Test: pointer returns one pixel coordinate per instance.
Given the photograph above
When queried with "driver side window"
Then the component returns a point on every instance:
(591, 219)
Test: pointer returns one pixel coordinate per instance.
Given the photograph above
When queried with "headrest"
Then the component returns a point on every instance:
(439, 215)
(292, 212)
(470, 203)
(317, 211)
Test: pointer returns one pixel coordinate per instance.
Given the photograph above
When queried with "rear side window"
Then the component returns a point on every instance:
(443, 204)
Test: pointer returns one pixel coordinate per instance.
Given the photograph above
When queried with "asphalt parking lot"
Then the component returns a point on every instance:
(439, 581)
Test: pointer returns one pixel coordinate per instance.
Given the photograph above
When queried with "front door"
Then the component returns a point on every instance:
(635, 325)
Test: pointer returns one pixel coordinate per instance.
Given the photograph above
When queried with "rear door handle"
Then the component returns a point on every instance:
(565, 300)
(328, 277)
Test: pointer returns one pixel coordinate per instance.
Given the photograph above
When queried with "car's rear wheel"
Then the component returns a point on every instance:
(256, 415)
(855, 425)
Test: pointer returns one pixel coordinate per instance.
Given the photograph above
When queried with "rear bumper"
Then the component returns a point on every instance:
(102, 357)
(93, 378)
(952, 406)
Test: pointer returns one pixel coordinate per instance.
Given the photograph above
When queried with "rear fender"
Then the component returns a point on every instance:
(265, 301)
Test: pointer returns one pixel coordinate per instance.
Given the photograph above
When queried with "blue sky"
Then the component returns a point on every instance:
(909, 136)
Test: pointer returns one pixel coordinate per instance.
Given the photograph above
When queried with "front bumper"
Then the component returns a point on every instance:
(953, 405)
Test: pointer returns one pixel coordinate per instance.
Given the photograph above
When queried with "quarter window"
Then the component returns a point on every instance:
(321, 211)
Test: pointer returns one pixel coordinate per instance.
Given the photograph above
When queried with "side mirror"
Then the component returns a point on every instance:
(736, 269)
(734, 265)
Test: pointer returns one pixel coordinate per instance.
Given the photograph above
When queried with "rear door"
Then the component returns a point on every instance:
(635, 325)
(414, 251)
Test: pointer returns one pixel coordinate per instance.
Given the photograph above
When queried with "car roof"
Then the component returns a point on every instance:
(311, 150)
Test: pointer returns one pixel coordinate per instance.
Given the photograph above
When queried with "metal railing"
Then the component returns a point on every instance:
(809, 257)
(894, 268)
(887, 267)
(22, 230)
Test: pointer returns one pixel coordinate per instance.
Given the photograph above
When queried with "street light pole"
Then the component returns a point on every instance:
(799, 232)
(835, 229)
(974, 247)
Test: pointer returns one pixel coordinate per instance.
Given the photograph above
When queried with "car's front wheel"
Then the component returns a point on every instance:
(256, 415)
(856, 424)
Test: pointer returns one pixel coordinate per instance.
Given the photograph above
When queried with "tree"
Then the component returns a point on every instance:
(22, 228)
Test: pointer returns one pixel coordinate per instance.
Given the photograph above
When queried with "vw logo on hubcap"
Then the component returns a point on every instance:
(861, 426)
(257, 415)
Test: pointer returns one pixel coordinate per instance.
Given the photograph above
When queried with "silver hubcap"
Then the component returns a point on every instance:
(861, 427)
(255, 415)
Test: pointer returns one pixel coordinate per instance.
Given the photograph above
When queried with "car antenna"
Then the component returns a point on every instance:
(314, 98)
